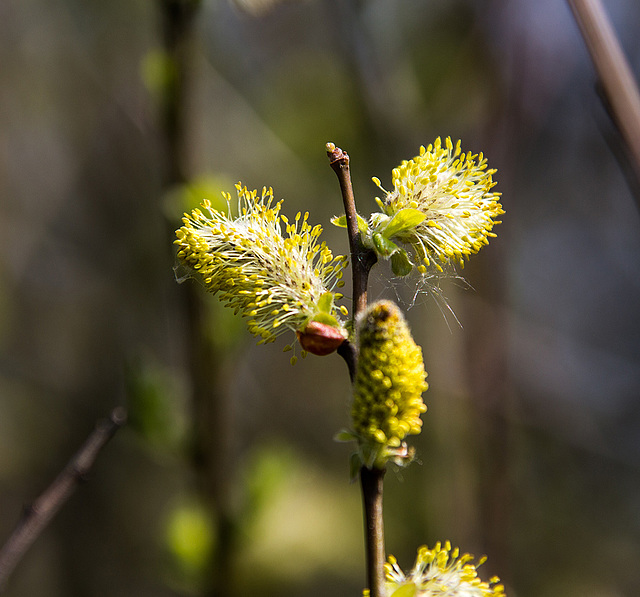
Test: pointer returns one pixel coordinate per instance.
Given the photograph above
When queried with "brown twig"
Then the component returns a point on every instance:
(43, 509)
(362, 259)
(371, 480)
(613, 71)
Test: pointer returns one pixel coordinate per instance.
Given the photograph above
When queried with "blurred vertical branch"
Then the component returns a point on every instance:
(178, 19)
(208, 406)
(622, 97)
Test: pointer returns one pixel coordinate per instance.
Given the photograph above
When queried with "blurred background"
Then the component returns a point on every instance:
(117, 116)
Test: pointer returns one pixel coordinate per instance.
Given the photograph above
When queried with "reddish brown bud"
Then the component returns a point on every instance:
(320, 338)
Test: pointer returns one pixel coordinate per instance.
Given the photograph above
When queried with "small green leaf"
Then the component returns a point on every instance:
(325, 302)
(326, 318)
(400, 263)
(362, 224)
(355, 464)
(403, 220)
(339, 221)
(345, 435)
(408, 590)
(383, 245)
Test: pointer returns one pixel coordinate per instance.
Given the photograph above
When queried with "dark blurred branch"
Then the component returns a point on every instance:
(616, 78)
(178, 18)
(208, 455)
(43, 509)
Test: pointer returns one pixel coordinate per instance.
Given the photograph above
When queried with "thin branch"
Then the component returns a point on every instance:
(362, 259)
(613, 71)
(43, 509)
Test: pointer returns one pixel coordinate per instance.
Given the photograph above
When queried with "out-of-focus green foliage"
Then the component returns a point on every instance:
(156, 405)
(189, 196)
(158, 72)
(190, 538)
(299, 521)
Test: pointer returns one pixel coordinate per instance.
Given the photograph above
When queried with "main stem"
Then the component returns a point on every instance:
(371, 480)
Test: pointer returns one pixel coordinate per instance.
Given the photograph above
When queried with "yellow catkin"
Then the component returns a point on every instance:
(454, 192)
(276, 279)
(389, 382)
(441, 572)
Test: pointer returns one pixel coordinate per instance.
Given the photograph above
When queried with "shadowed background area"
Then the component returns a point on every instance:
(530, 451)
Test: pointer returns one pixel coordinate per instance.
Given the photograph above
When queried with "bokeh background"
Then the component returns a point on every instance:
(531, 446)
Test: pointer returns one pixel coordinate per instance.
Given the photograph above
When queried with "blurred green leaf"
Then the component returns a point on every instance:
(302, 521)
(188, 196)
(158, 72)
(355, 463)
(224, 328)
(190, 538)
(155, 401)
(344, 435)
(269, 469)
